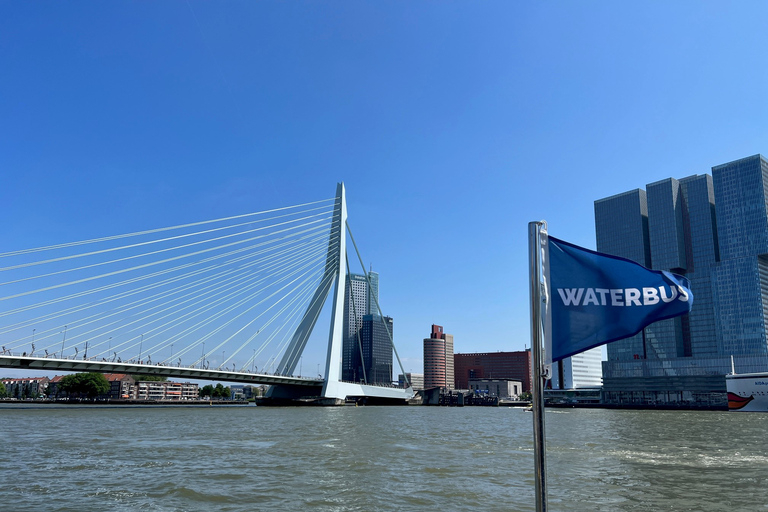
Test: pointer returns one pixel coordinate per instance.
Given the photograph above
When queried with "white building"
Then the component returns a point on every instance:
(416, 380)
(583, 370)
(165, 390)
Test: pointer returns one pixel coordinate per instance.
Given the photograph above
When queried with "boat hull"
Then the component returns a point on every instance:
(747, 392)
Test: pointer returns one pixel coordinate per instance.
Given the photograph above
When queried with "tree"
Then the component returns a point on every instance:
(89, 384)
(3, 391)
(221, 392)
(206, 390)
(526, 396)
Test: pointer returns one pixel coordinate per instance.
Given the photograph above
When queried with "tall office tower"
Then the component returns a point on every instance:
(358, 302)
(741, 279)
(377, 349)
(621, 222)
(373, 293)
(438, 359)
(710, 229)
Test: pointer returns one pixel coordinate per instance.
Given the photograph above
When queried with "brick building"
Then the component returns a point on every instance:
(493, 365)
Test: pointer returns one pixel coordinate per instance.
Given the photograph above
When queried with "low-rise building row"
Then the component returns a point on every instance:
(122, 387)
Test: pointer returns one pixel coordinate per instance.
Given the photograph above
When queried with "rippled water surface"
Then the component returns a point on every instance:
(377, 459)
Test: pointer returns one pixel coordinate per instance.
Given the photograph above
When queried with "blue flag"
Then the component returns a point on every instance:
(596, 298)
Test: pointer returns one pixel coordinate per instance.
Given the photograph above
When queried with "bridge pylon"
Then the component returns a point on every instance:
(335, 274)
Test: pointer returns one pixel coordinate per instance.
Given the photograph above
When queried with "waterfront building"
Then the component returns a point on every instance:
(121, 386)
(438, 359)
(236, 392)
(493, 365)
(245, 392)
(359, 300)
(26, 387)
(241, 392)
(165, 390)
(415, 379)
(376, 360)
(502, 388)
(53, 386)
(579, 371)
(714, 231)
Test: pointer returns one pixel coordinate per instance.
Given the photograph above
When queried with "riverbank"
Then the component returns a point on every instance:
(126, 403)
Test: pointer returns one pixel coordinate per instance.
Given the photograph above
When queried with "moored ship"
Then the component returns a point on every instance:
(747, 392)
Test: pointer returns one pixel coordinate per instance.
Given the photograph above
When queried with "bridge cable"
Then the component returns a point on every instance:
(376, 300)
(358, 327)
(152, 231)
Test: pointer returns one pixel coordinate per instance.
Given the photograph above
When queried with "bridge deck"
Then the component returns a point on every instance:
(76, 365)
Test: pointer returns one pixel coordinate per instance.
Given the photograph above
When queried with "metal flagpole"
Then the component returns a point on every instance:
(537, 400)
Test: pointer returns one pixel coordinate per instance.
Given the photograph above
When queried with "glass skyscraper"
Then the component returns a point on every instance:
(713, 230)
(359, 301)
(740, 281)
(377, 349)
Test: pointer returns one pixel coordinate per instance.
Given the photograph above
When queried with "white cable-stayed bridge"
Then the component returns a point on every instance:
(233, 299)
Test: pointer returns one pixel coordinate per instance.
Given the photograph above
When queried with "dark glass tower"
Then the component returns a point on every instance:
(714, 231)
(622, 226)
(377, 349)
(740, 281)
(359, 300)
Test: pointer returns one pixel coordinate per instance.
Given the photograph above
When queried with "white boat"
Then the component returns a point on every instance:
(747, 392)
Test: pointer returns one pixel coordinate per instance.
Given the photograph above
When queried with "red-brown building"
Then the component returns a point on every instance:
(438, 359)
(493, 365)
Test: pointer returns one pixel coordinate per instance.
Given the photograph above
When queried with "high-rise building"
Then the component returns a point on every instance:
(579, 371)
(493, 365)
(714, 231)
(359, 300)
(377, 349)
(740, 280)
(373, 293)
(438, 359)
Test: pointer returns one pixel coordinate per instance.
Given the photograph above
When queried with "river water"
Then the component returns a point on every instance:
(343, 459)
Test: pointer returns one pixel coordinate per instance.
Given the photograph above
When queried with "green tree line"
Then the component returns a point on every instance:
(218, 391)
(90, 384)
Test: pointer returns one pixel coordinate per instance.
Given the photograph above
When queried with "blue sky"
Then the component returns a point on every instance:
(452, 124)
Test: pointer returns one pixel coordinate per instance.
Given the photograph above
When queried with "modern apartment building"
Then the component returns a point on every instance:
(713, 230)
(165, 390)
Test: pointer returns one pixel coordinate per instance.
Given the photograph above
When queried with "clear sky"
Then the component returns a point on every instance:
(452, 124)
